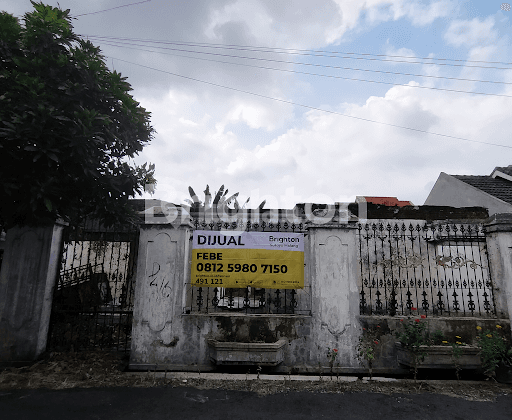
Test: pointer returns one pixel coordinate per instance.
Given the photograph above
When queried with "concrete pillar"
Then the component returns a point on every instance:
(335, 303)
(162, 268)
(27, 279)
(499, 247)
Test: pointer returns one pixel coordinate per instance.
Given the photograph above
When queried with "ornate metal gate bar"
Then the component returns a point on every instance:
(441, 270)
(93, 298)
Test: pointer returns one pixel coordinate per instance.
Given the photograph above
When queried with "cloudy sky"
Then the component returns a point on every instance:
(311, 101)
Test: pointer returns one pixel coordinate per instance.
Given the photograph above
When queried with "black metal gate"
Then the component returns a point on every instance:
(93, 297)
(438, 269)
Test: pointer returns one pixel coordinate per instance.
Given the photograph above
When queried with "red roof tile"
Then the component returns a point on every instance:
(388, 201)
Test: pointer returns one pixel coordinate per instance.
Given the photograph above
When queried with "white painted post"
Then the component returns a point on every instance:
(159, 289)
(499, 247)
(333, 270)
(27, 280)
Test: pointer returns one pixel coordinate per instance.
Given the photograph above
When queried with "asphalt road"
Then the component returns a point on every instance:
(191, 403)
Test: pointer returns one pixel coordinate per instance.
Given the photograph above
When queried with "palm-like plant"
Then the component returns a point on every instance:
(222, 201)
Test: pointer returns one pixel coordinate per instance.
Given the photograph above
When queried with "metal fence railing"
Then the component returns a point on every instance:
(93, 297)
(438, 269)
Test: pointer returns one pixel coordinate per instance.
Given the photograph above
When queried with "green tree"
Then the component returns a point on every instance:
(68, 126)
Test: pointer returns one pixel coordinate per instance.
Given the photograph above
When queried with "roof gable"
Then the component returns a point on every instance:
(503, 169)
(497, 186)
(503, 173)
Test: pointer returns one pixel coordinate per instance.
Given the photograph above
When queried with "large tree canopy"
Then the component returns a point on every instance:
(68, 125)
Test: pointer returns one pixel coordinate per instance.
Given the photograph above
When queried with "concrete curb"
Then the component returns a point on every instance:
(305, 378)
(243, 377)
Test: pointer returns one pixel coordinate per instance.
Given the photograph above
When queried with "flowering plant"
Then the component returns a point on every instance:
(413, 336)
(368, 343)
(437, 338)
(457, 354)
(413, 332)
(495, 348)
(332, 354)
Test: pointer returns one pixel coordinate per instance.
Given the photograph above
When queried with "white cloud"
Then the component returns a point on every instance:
(419, 13)
(258, 114)
(400, 52)
(237, 12)
(202, 129)
(306, 24)
(471, 33)
(431, 70)
(343, 157)
(422, 15)
(377, 11)
(297, 24)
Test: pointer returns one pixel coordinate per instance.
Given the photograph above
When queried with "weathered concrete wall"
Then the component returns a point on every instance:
(27, 280)
(166, 338)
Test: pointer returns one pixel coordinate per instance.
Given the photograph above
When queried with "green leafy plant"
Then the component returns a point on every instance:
(437, 338)
(495, 349)
(413, 336)
(368, 343)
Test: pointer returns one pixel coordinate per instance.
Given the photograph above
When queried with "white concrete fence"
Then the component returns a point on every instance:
(166, 336)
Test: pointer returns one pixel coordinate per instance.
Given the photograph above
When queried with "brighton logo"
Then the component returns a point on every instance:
(505, 6)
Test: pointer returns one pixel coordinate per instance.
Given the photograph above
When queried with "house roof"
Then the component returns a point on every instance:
(506, 170)
(494, 184)
(387, 201)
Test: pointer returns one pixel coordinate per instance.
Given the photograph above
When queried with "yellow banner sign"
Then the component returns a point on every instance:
(273, 260)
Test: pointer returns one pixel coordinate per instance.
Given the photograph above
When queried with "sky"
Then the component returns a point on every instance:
(310, 101)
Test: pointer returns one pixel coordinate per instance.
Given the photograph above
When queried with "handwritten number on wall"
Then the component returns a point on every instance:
(160, 283)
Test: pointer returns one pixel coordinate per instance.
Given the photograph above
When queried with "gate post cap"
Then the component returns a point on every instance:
(499, 222)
